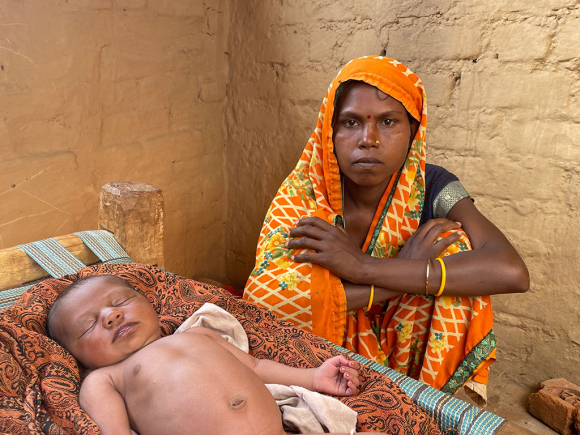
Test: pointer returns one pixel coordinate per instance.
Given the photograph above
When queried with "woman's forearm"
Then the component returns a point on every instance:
(358, 295)
(470, 273)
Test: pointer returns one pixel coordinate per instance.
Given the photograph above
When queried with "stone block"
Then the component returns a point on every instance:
(567, 39)
(557, 405)
(521, 41)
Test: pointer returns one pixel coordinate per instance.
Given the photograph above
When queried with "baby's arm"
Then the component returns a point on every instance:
(338, 375)
(100, 399)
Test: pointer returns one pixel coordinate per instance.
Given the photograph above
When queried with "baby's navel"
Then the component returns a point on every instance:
(136, 369)
(237, 403)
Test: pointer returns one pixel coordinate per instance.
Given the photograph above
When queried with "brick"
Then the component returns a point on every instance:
(213, 89)
(556, 404)
(521, 41)
(429, 42)
(554, 140)
(567, 39)
(542, 92)
(438, 87)
(292, 12)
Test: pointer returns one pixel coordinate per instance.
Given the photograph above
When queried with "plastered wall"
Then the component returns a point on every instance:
(503, 88)
(93, 91)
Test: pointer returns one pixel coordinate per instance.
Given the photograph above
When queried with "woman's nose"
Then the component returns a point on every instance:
(369, 137)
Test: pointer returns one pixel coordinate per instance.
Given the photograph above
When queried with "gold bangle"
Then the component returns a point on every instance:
(371, 297)
(427, 277)
(443, 277)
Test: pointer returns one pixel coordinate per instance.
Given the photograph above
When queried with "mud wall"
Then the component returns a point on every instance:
(93, 91)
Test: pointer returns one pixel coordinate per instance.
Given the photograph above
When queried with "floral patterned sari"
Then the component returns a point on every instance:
(445, 341)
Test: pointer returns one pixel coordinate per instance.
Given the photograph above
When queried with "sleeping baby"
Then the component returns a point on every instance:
(195, 382)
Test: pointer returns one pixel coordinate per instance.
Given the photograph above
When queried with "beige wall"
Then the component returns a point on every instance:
(503, 87)
(93, 91)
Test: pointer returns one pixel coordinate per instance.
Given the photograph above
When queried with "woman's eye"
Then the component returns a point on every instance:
(350, 122)
(388, 121)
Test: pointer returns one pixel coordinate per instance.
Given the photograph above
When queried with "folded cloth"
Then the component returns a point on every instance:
(310, 412)
(302, 410)
(221, 322)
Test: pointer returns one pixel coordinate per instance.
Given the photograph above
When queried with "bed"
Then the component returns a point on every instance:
(39, 381)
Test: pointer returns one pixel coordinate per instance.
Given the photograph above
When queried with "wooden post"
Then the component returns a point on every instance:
(134, 213)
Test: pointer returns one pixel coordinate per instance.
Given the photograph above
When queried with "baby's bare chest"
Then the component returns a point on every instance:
(183, 372)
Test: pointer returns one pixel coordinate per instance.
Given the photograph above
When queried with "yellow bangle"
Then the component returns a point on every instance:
(443, 277)
(371, 297)
(427, 277)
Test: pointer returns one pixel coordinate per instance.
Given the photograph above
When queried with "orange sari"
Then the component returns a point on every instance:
(445, 342)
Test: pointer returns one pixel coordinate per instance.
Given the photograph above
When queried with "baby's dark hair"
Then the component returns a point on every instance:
(53, 313)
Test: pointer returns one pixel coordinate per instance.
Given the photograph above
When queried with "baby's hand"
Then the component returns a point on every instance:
(337, 376)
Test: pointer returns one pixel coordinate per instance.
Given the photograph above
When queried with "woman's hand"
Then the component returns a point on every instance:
(334, 248)
(421, 245)
(337, 376)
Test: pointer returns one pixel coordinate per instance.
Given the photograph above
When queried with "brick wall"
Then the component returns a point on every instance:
(502, 82)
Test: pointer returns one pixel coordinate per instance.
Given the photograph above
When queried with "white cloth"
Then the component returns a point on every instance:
(303, 410)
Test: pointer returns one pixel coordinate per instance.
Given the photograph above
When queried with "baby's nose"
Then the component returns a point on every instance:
(113, 317)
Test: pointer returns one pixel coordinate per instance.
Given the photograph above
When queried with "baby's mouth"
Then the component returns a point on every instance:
(123, 330)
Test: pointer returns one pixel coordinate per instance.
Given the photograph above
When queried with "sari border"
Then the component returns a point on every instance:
(379, 225)
(476, 356)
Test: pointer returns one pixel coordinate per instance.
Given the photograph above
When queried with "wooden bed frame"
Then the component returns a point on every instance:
(134, 214)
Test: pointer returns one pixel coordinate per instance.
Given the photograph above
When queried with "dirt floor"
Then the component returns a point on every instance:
(511, 401)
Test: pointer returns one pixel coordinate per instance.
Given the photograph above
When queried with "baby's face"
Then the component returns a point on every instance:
(104, 321)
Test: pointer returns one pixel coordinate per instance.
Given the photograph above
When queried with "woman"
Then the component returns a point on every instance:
(342, 252)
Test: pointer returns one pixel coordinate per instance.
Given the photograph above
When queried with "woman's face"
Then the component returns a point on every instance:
(372, 133)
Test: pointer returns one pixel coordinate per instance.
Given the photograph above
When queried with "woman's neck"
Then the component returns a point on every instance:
(362, 198)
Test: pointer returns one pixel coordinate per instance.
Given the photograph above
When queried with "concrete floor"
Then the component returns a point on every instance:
(510, 401)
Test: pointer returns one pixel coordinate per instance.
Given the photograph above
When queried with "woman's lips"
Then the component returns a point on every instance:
(367, 163)
(123, 330)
